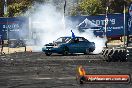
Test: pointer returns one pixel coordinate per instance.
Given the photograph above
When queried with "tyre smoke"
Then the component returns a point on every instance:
(48, 24)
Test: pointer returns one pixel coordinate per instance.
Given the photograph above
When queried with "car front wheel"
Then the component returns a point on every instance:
(48, 53)
(87, 51)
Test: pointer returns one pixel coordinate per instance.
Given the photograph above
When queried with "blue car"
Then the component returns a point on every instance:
(69, 45)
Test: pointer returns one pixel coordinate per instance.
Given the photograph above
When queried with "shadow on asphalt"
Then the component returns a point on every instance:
(72, 54)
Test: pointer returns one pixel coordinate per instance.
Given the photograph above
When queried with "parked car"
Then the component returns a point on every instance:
(69, 45)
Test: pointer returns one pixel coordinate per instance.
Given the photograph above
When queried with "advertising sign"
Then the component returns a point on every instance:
(115, 26)
(13, 28)
(130, 20)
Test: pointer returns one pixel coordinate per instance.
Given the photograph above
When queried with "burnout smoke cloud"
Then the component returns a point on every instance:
(48, 24)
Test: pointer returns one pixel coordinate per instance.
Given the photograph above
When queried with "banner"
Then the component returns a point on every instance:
(130, 20)
(115, 25)
(14, 28)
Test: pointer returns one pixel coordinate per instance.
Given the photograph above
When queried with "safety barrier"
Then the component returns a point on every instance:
(129, 54)
(113, 55)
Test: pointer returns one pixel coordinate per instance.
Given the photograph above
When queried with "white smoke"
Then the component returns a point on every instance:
(48, 24)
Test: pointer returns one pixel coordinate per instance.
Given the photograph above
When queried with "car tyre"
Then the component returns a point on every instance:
(48, 53)
(65, 51)
(87, 51)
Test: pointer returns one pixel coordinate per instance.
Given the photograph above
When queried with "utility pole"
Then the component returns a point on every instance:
(5, 7)
(106, 23)
(64, 7)
(5, 11)
(124, 25)
(63, 19)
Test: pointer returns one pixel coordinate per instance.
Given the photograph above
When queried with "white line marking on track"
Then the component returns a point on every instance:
(59, 78)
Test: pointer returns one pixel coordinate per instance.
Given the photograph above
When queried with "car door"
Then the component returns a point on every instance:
(84, 44)
(73, 46)
(79, 46)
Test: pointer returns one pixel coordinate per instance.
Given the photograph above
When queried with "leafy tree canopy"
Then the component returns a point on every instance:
(18, 7)
(82, 7)
(94, 7)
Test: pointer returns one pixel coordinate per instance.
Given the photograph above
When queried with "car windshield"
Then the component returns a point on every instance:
(62, 40)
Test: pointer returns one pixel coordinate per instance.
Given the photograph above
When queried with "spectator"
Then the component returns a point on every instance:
(1, 44)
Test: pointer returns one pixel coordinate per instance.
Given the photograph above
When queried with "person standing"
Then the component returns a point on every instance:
(1, 44)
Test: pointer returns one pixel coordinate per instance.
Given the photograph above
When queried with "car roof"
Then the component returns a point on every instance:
(71, 37)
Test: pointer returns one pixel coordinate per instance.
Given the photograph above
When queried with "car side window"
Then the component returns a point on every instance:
(80, 40)
(76, 40)
(83, 39)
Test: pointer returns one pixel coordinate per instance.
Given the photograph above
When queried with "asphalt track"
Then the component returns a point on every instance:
(35, 70)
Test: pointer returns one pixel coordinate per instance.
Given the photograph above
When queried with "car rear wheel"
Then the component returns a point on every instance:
(48, 53)
(65, 51)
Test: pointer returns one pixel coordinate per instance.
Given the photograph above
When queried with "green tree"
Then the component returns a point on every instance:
(88, 7)
(94, 7)
(18, 7)
(117, 6)
(1, 10)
